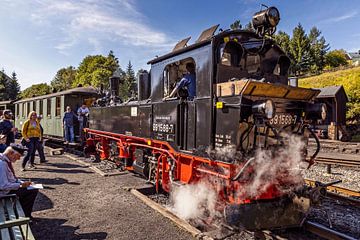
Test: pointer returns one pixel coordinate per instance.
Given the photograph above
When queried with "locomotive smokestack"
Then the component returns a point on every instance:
(114, 85)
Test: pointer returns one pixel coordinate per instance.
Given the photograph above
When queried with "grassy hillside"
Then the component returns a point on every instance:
(349, 78)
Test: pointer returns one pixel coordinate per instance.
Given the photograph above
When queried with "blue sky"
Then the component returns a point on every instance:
(38, 37)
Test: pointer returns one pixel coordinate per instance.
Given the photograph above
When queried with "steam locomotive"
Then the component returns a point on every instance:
(244, 110)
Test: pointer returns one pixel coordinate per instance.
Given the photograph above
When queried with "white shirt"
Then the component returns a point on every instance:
(7, 179)
(82, 112)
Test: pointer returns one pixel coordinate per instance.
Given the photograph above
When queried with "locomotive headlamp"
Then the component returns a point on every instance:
(264, 109)
(317, 111)
(266, 20)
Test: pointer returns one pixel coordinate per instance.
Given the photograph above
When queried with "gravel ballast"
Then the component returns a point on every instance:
(80, 204)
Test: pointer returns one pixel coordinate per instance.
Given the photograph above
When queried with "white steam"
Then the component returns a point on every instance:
(193, 201)
(280, 168)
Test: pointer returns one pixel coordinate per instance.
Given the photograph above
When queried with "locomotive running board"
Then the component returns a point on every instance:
(261, 89)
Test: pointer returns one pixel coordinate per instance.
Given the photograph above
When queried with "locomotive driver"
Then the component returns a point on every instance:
(188, 82)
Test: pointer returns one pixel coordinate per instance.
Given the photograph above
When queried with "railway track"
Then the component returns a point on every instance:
(325, 232)
(336, 161)
(339, 193)
(342, 159)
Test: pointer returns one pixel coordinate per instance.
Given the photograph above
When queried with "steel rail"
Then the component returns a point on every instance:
(336, 189)
(325, 232)
(335, 161)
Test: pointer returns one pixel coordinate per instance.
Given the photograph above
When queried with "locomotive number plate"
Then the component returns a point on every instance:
(163, 127)
(283, 119)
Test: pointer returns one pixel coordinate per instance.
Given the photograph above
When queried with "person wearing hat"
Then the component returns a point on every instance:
(7, 130)
(9, 184)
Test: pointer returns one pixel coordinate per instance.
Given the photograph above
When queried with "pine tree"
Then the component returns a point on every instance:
(283, 40)
(13, 87)
(300, 50)
(249, 27)
(318, 49)
(128, 85)
(236, 25)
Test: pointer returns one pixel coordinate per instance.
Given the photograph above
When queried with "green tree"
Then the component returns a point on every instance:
(300, 51)
(128, 86)
(336, 58)
(318, 49)
(96, 70)
(236, 25)
(64, 79)
(3, 79)
(249, 27)
(13, 87)
(36, 90)
(283, 40)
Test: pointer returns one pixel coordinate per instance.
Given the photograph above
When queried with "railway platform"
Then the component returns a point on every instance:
(77, 203)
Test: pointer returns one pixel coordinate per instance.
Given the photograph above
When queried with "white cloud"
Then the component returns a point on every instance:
(92, 22)
(347, 15)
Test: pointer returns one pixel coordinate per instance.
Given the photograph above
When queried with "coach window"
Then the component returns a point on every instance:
(173, 73)
(34, 106)
(41, 105)
(27, 108)
(23, 110)
(58, 106)
(48, 107)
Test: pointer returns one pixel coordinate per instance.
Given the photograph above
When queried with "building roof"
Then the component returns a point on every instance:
(6, 102)
(331, 91)
(354, 55)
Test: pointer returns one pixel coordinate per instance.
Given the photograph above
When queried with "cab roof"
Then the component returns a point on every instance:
(203, 41)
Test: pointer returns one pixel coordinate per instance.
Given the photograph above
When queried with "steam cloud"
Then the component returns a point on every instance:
(194, 201)
(270, 168)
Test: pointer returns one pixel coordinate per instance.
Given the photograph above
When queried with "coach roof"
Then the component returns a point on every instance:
(78, 90)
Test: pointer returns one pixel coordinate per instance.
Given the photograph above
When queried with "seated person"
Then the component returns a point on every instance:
(9, 184)
(188, 82)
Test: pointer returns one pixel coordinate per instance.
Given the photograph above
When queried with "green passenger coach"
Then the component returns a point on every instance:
(52, 107)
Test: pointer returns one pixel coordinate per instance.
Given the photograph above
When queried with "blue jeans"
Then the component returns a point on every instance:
(31, 150)
(40, 148)
(69, 133)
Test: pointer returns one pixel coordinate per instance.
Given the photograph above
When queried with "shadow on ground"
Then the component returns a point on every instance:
(54, 229)
(52, 181)
(42, 202)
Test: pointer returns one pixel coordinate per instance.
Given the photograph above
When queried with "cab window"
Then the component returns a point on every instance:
(172, 75)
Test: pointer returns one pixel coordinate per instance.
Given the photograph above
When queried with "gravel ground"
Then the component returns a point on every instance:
(80, 204)
(337, 215)
(350, 177)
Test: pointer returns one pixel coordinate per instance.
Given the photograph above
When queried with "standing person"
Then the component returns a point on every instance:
(68, 125)
(9, 184)
(39, 145)
(31, 132)
(7, 129)
(83, 114)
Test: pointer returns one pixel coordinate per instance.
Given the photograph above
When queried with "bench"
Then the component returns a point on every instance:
(13, 223)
